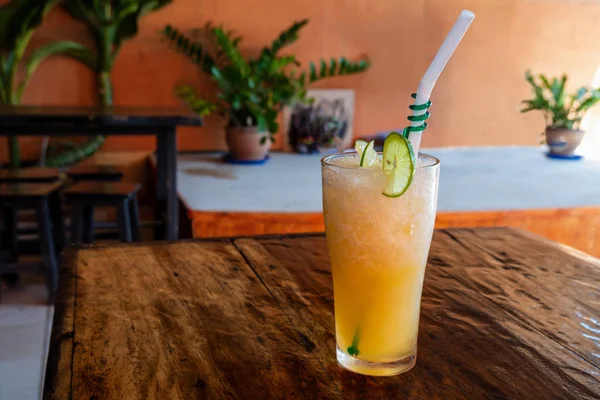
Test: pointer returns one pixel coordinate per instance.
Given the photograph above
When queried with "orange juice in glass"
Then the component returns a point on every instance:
(378, 247)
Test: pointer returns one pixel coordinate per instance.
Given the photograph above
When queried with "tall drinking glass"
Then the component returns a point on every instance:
(378, 248)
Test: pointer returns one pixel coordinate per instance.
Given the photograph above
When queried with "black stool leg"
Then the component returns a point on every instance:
(10, 228)
(88, 223)
(5, 245)
(134, 215)
(1, 250)
(57, 221)
(76, 223)
(47, 245)
(2, 246)
(10, 242)
(124, 221)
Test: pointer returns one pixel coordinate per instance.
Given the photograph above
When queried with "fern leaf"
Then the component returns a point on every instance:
(302, 77)
(324, 70)
(332, 66)
(312, 74)
(288, 36)
(192, 49)
(558, 90)
(545, 81)
(73, 156)
(282, 62)
(197, 105)
(337, 68)
(231, 51)
(529, 78)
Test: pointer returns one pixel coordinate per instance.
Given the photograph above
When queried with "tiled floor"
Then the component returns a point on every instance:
(25, 323)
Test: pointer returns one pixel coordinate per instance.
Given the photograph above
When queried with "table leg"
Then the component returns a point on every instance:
(166, 191)
(9, 242)
(88, 223)
(124, 221)
(47, 244)
(10, 228)
(161, 160)
(134, 218)
(1, 249)
(77, 223)
(57, 221)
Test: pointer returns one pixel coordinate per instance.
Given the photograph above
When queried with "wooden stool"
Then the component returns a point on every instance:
(122, 195)
(30, 175)
(37, 196)
(105, 173)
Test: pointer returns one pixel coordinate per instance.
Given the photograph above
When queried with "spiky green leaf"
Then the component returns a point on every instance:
(54, 48)
(197, 105)
(312, 74)
(324, 70)
(332, 66)
(122, 17)
(192, 49)
(231, 51)
(18, 20)
(288, 36)
(337, 68)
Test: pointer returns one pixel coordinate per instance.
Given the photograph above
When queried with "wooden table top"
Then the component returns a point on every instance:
(505, 315)
(98, 115)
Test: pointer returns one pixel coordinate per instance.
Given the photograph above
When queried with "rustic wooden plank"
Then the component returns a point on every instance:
(182, 321)
(565, 273)
(195, 320)
(57, 382)
(469, 347)
(547, 288)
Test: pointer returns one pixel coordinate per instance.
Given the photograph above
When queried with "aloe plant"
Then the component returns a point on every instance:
(111, 22)
(252, 91)
(18, 22)
(561, 110)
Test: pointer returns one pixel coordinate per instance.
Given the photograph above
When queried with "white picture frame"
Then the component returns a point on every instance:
(338, 101)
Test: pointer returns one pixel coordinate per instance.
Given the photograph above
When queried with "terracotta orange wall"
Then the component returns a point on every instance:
(476, 100)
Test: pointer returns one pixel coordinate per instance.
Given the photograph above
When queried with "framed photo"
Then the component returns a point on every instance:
(325, 126)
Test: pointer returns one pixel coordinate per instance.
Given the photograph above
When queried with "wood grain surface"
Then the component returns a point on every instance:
(505, 315)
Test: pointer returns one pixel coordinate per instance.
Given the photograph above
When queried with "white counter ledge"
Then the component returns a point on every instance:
(472, 179)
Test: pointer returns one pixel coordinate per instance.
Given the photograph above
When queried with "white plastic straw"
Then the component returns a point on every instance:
(436, 67)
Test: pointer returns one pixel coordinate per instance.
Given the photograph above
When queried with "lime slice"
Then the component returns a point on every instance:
(398, 164)
(360, 146)
(369, 155)
(366, 152)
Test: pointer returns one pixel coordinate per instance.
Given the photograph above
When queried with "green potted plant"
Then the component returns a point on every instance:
(18, 21)
(111, 24)
(252, 91)
(562, 112)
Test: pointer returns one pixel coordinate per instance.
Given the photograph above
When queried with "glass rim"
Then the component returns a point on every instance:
(325, 161)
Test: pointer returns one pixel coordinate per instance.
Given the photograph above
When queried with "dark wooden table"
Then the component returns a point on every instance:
(88, 121)
(505, 315)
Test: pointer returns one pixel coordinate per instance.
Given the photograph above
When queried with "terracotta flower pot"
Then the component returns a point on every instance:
(246, 143)
(562, 141)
